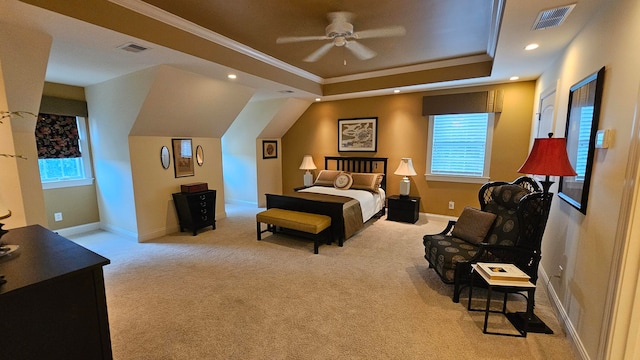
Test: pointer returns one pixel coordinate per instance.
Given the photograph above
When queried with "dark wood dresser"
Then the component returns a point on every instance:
(53, 305)
(196, 210)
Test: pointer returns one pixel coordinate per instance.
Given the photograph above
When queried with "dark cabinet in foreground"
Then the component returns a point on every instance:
(196, 210)
(53, 305)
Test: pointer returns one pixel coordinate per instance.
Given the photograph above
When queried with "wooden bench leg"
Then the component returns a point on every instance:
(259, 231)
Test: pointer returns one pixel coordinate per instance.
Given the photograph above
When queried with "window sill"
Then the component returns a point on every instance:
(458, 179)
(66, 184)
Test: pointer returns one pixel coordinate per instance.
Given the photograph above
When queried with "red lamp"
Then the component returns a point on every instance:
(548, 157)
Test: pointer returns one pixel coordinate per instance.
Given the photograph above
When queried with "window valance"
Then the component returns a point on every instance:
(60, 106)
(464, 103)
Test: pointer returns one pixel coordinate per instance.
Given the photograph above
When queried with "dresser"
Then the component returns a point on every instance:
(196, 210)
(403, 208)
(53, 304)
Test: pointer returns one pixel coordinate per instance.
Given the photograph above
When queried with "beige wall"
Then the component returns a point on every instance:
(402, 132)
(153, 185)
(589, 246)
(79, 204)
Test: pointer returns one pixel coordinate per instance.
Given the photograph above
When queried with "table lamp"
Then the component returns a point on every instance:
(307, 164)
(405, 169)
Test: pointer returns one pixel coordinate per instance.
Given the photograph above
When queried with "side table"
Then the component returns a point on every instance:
(505, 286)
(403, 208)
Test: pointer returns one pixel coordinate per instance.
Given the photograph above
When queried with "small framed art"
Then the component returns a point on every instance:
(269, 149)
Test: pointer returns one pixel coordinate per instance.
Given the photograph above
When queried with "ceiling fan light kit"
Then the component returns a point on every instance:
(340, 32)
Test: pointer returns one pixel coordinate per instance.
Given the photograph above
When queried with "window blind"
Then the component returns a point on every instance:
(459, 144)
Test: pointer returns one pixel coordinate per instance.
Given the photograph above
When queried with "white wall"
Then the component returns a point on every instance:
(584, 244)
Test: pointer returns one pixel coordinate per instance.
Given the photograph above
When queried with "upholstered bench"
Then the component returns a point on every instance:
(312, 224)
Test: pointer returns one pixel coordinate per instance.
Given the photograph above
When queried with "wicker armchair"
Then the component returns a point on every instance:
(515, 236)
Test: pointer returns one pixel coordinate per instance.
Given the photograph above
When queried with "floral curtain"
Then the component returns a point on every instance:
(57, 137)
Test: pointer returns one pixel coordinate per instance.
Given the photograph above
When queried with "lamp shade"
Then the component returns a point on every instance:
(307, 163)
(548, 157)
(405, 168)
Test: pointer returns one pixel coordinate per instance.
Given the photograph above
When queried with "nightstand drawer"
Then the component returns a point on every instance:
(403, 208)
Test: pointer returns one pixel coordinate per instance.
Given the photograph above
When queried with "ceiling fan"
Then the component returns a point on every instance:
(340, 32)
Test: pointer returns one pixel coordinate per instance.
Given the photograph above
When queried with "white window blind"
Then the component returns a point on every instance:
(459, 144)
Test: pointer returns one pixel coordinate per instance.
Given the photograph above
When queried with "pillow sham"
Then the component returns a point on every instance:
(473, 225)
(343, 181)
(367, 181)
(326, 177)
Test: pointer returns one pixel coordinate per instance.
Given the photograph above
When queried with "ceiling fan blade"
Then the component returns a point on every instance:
(360, 51)
(316, 55)
(382, 32)
(291, 39)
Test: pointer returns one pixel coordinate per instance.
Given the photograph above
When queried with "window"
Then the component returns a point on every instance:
(68, 171)
(459, 147)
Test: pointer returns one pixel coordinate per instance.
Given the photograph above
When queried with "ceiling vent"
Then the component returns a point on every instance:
(131, 47)
(552, 17)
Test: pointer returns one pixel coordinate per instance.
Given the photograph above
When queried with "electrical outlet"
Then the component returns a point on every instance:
(452, 205)
(559, 273)
(57, 216)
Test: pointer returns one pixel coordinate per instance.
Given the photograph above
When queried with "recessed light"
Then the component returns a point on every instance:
(232, 76)
(396, 91)
(318, 99)
(531, 46)
(514, 78)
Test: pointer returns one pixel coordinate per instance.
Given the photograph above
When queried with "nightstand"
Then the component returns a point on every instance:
(403, 208)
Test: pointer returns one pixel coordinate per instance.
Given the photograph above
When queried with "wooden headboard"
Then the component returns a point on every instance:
(358, 164)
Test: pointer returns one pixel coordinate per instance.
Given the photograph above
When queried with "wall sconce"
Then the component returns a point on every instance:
(405, 169)
(307, 164)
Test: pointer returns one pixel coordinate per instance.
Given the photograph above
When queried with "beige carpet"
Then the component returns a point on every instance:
(224, 295)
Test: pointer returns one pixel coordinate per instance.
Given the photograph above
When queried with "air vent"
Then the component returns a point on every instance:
(552, 17)
(131, 47)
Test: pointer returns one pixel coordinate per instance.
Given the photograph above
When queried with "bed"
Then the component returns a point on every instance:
(350, 206)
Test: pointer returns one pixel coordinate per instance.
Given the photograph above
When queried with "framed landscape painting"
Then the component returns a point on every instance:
(358, 134)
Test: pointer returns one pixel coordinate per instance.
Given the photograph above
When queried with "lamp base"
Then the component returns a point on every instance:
(308, 178)
(405, 186)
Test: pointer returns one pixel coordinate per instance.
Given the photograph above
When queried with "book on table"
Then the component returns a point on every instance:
(499, 271)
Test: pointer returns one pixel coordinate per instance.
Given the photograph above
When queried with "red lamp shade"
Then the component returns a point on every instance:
(548, 157)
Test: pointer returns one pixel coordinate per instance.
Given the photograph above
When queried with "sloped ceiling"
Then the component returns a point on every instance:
(178, 97)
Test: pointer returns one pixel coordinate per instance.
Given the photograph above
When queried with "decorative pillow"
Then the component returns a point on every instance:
(473, 225)
(343, 181)
(326, 177)
(367, 181)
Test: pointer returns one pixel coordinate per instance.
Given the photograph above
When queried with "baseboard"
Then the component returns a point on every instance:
(565, 321)
(438, 217)
(75, 230)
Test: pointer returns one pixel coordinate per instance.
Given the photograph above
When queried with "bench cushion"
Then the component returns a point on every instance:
(295, 220)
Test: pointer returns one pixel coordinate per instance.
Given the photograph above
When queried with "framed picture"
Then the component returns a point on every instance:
(269, 149)
(359, 134)
(182, 157)
(582, 125)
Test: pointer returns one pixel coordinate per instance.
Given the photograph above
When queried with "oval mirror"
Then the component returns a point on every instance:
(199, 155)
(164, 157)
